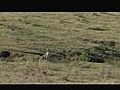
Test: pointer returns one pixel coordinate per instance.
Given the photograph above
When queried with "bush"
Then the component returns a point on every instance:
(84, 57)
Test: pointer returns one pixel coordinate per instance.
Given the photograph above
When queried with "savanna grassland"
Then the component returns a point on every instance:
(67, 32)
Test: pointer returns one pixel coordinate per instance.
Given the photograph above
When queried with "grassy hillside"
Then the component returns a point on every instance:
(61, 31)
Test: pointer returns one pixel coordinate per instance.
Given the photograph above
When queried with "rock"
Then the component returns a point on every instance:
(56, 56)
(96, 57)
(5, 54)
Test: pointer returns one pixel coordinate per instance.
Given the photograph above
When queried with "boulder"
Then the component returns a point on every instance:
(56, 56)
(5, 54)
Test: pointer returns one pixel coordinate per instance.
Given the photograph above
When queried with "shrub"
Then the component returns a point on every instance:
(84, 57)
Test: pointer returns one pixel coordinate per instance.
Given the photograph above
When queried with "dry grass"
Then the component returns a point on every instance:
(62, 31)
(47, 72)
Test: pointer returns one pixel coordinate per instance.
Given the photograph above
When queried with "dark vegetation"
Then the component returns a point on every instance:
(104, 51)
